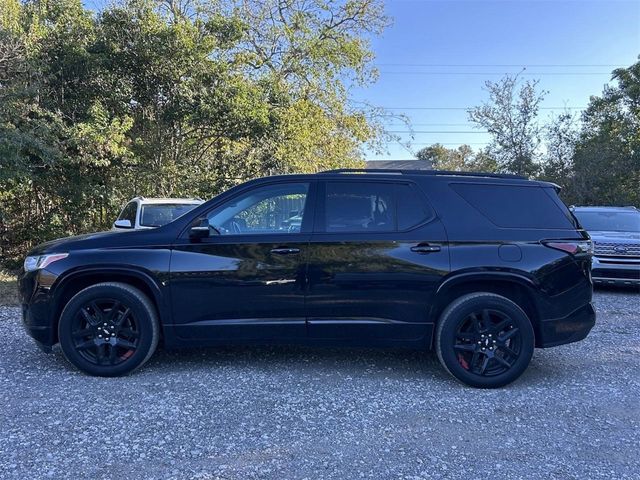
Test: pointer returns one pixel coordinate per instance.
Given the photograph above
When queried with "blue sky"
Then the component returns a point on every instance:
(570, 46)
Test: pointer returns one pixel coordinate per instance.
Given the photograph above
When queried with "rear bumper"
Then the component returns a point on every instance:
(571, 328)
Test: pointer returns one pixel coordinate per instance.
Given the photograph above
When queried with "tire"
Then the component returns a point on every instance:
(484, 340)
(108, 329)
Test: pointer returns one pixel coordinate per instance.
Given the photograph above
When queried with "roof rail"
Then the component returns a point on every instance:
(423, 172)
(392, 171)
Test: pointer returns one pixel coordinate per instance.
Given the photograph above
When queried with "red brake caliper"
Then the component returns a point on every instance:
(463, 362)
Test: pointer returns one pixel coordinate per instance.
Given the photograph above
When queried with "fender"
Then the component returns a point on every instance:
(485, 274)
(518, 277)
(155, 285)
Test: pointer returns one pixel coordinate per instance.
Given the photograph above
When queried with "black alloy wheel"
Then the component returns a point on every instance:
(105, 332)
(484, 340)
(488, 342)
(109, 329)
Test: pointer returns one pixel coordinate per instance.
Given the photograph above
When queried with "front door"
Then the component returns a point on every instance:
(246, 280)
(375, 259)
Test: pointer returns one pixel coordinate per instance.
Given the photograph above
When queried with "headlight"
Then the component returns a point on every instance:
(37, 262)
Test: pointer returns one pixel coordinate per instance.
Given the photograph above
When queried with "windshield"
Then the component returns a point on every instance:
(159, 214)
(609, 221)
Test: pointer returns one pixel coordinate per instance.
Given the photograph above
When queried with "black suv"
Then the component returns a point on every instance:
(481, 267)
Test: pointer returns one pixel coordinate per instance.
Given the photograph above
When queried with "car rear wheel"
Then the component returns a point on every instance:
(108, 329)
(484, 340)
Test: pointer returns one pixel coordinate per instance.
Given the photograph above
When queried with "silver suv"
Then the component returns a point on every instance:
(615, 232)
(141, 212)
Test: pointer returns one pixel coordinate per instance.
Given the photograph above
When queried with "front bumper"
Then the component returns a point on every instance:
(571, 328)
(616, 271)
(34, 290)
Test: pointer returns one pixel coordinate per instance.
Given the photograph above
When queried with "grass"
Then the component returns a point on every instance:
(8, 289)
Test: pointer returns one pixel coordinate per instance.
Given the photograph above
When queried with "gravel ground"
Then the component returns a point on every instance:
(309, 413)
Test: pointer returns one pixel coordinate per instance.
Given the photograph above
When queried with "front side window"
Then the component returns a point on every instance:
(266, 210)
(129, 213)
(360, 207)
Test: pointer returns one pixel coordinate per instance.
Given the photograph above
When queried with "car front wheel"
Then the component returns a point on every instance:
(484, 340)
(108, 329)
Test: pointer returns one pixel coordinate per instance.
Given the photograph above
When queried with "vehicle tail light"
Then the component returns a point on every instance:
(571, 246)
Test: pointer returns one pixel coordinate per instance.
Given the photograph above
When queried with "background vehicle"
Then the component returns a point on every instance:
(481, 267)
(615, 232)
(141, 213)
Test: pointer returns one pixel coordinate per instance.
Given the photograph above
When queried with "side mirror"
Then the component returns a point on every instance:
(122, 224)
(198, 232)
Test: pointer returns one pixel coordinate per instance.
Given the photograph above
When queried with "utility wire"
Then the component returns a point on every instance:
(514, 65)
(469, 108)
(429, 124)
(437, 131)
(439, 143)
(386, 72)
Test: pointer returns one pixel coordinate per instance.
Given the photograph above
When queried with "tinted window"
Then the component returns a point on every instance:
(514, 206)
(158, 214)
(412, 207)
(360, 207)
(129, 213)
(609, 221)
(270, 209)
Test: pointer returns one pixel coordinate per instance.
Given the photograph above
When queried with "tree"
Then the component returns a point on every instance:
(170, 98)
(462, 159)
(561, 137)
(606, 162)
(510, 117)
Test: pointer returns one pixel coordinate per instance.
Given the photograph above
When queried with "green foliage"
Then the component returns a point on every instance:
(594, 158)
(461, 159)
(510, 116)
(160, 99)
(607, 153)
(596, 161)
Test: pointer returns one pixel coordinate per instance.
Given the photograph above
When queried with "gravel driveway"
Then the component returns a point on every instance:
(309, 413)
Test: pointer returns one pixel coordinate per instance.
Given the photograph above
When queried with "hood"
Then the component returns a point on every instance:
(111, 238)
(623, 237)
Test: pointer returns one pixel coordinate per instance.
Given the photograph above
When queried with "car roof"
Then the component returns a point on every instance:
(157, 200)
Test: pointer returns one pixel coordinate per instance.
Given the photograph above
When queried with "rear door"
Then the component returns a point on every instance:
(376, 256)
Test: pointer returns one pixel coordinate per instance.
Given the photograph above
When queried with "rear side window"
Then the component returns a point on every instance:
(412, 207)
(360, 207)
(515, 206)
(373, 207)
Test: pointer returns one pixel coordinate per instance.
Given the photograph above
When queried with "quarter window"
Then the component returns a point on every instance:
(515, 206)
(267, 210)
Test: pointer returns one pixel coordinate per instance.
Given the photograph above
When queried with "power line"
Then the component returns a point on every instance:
(437, 131)
(497, 73)
(439, 143)
(468, 108)
(514, 65)
(429, 124)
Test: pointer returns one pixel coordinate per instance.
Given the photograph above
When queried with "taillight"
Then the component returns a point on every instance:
(570, 246)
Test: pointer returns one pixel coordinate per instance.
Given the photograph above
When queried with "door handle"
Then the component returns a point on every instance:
(285, 250)
(425, 248)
